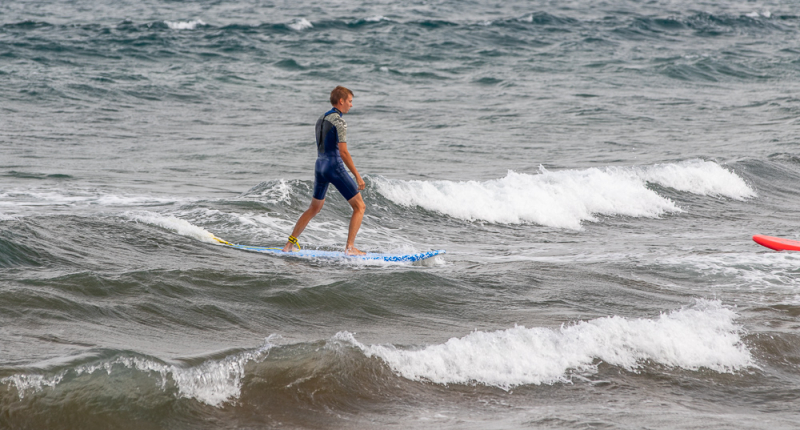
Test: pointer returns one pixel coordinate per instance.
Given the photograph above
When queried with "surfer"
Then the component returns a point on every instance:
(332, 157)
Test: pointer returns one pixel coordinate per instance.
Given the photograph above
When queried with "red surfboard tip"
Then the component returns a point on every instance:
(777, 243)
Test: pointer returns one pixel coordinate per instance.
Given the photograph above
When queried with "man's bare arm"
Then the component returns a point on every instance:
(348, 161)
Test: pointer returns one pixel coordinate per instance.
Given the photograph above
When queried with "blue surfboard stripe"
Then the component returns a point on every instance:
(311, 253)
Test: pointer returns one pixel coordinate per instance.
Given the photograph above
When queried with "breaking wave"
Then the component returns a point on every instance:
(703, 336)
(565, 199)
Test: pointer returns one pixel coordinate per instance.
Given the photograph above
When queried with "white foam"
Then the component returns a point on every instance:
(703, 336)
(376, 18)
(256, 226)
(300, 24)
(213, 382)
(169, 222)
(75, 197)
(751, 270)
(184, 25)
(556, 199)
(698, 177)
(279, 191)
(754, 14)
(564, 199)
(259, 228)
(25, 383)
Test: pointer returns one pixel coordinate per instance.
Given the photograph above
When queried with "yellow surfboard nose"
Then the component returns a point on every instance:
(224, 242)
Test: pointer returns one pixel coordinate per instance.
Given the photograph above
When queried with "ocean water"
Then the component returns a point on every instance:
(595, 171)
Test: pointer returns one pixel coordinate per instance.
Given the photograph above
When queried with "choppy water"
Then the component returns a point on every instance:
(594, 170)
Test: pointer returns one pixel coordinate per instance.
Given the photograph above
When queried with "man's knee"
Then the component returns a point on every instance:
(358, 205)
(316, 206)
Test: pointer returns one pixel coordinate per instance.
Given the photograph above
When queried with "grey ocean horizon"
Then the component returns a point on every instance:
(594, 171)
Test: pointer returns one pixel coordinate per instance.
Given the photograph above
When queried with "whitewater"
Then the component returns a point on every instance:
(565, 199)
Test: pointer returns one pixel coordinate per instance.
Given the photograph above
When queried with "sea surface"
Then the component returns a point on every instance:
(594, 169)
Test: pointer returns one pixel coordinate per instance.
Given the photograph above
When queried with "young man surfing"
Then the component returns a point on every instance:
(332, 157)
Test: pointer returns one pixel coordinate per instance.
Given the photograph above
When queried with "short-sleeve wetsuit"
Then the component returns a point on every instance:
(329, 169)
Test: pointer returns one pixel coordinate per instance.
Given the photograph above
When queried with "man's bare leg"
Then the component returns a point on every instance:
(355, 223)
(311, 212)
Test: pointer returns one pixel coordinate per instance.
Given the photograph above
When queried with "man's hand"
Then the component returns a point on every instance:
(348, 161)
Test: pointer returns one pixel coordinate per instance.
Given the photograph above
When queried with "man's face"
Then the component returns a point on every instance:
(345, 104)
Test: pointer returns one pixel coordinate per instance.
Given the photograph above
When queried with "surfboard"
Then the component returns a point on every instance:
(777, 243)
(313, 253)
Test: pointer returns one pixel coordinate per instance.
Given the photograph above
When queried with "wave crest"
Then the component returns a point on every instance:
(185, 25)
(213, 382)
(704, 336)
(566, 198)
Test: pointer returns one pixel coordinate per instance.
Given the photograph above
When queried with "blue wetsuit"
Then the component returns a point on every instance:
(330, 130)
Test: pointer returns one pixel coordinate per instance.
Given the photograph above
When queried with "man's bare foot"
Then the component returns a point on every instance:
(289, 247)
(353, 251)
